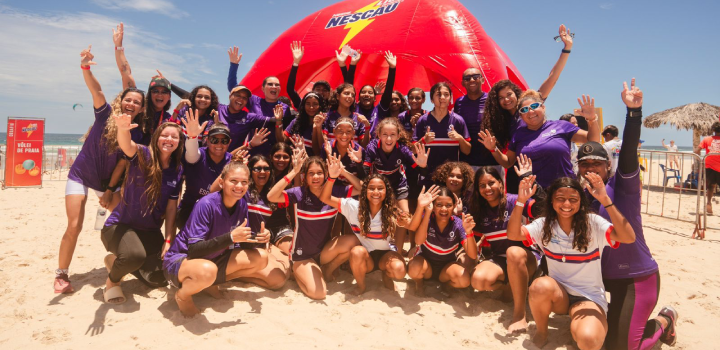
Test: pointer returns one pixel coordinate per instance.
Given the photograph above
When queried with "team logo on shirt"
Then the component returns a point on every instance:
(357, 21)
(308, 201)
(452, 235)
(549, 133)
(431, 232)
(172, 183)
(240, 121)
(398, 162)
(378, 162)
(299, 251)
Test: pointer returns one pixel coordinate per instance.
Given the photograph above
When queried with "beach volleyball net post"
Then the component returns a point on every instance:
(24, 152)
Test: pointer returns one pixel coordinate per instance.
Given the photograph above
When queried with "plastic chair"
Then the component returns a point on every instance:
(675, 174)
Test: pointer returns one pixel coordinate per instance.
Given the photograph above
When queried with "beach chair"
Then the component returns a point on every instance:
(674, 174)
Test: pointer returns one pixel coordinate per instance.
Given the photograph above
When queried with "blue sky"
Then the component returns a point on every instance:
(670, 47)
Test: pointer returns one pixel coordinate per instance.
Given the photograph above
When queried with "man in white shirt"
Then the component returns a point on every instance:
(674, 159)
(612, 145)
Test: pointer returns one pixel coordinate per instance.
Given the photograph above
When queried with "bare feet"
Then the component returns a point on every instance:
(215, 292)
(329, 275)
(359, 289)
(540, 339)
(447, 290)
(420, 288)
(708, 209)
(388, 282)
(518, 326)
(187, 307)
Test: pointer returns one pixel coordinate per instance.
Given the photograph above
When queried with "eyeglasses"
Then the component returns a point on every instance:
(160, 91)
(260, 169)
(558, 39)
(531, 107)
(472, 77)
(216, 140)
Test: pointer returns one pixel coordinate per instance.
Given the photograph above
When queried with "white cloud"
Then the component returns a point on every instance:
(40, 63)
(607, 6)
(164, 7)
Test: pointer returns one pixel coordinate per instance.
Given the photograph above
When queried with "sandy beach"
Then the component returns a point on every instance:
(31, 315)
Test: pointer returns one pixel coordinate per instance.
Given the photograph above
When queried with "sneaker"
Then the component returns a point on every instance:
(62, 284)
(669, 337)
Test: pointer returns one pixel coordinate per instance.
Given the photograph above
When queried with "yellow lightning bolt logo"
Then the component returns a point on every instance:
(357, 27)
(29, 129)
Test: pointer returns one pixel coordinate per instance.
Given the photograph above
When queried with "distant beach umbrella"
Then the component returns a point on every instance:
(77, 105)
(697, 117)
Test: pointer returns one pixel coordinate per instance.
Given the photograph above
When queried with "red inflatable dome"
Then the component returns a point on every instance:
(434, 40)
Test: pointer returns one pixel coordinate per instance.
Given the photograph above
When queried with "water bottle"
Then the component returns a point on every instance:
(100, 218)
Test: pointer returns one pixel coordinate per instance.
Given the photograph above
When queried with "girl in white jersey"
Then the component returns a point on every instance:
(573, 240)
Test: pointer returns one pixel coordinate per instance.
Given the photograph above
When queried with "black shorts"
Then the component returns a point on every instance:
(437, 267)
(376, 255)
(220, 261)
(280, 232)
(712, 177)
(401, 193)
(576, 299)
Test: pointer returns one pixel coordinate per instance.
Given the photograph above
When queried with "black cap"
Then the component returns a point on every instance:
(592, 150)
(218, 131)
(323, 83)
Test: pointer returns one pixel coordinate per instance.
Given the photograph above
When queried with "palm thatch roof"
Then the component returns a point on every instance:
(693, 116)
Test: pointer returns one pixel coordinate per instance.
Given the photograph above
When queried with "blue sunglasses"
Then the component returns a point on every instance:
(531, 107)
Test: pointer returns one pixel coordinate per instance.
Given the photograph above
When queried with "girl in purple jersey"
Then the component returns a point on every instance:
(572, 239)
(511, 264)
(348, 151)
(149, 197)
(201, 99)
(281, 158)
(342, 104)
(545, 142)
(94, 165)
(458, 178)
(302, 126)
(391, 156)
(199, 258)
(630, 273)
(439, 238)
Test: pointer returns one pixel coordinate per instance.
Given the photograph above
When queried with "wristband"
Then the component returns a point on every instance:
(278, 125)
(168, 241)
(286, 179)
(565, 51)
(609, 205)
(520, 204)
(493, 150)
(119, 48)
(112, 188)
(330, 179)
(85, 67)
(176, 111)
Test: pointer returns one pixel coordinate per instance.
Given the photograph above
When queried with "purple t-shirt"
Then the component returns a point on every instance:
(140, 138)
(305, 134)
(133, 208)
(392, 165)
(443, 148)
(242, 125)
(629, 260)
(264, 108)
(203, 118)
(329, 126)
(258, 212)
(441, 245)
(208, 220)
(93, 164)
(495, 231)
(313, 221)
(378, 114)
(350, 166)
(199, 176)
(472, 113)
(405, 118)
(548, 148)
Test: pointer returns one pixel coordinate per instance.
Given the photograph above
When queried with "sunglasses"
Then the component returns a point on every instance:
(531, 107)
(260, 169)
(558, 39)
(216, 140)
(472, 77)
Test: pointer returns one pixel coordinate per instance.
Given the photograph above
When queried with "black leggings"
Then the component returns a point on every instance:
(138, 252)
(632, 301)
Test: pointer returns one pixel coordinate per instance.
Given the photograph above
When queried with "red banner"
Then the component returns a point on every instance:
(24, 157)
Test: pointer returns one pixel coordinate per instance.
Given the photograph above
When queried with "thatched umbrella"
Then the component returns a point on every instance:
(697, 117)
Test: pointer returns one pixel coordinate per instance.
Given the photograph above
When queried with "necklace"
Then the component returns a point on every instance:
(561, 244)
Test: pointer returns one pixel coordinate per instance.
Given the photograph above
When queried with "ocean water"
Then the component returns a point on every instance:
(53, 139)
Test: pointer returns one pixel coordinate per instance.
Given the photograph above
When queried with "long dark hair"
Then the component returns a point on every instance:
(388, 208)
(404, 106)
(149, 123)
(281, 146)
(303, 120)
(479, 205)
(253, 192)
(213, 98)
(495, 118)
(334, 100)
(306, 166)
(580, 221)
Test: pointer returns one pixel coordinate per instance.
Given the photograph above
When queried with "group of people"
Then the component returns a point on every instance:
(265, 181)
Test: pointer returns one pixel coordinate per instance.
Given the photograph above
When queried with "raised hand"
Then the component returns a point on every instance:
(328, 148)
(298, 51)
(379, 87)
(488, 140)
(415, 118)
(215, 116)
(527, 189)
(565, 37)
(422, 155)
(184, 102)
(454, 135)
(335, 167)
(234, 54)
(259, 137)
(633, 97)
(355, 57)
(242, 233)
(192, 123)
(363, 120)
(298, 158)
(524, 165)
(390, 59)
(118, 35)
(279, 111)
(297, 141)
(342, 55)
(458, 205)
(468, 222)
(587, 108)
(356, 155)
(429, 135)
(124, 122)
(596, 187)
(319, 120)
(426, 198)
(240, 154)
(86, 58)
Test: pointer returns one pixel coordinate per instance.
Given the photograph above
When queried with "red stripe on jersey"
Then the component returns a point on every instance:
(574, 257)
(528, 240)
(439, 250)
(610, 241)
(259, 209)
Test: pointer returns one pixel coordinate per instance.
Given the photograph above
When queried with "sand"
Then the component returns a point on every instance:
(31, 315)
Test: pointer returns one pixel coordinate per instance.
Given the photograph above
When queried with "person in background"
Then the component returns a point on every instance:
(573, 146)
(471, 108)
(612, 145)
(674, 161)
(711, 145)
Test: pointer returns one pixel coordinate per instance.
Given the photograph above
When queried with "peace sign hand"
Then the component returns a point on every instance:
(192, 124)
(422, 155)
(488, 140)
(524, 165)
(633, 97)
